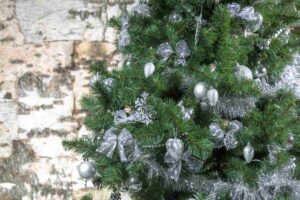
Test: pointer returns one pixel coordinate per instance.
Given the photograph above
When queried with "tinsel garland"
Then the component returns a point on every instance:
(231, 106)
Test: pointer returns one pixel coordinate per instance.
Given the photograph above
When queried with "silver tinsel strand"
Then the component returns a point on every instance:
(231, 107)
(124, 37)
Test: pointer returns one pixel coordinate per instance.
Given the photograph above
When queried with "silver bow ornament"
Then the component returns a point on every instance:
(174, 157)
(253, 19)
(142, 113)
(124, 141)
(223, 138)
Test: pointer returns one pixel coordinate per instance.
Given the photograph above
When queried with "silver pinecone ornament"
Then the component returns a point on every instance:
(212, 97)
(242, 72)
(149, 69)
(248, 153)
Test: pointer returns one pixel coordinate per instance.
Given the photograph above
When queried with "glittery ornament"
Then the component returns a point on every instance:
(142, 10)
(149, 69)
(234, 9)
(247, 13)
(87, 169)
(254, 25)
(200, 90)
(242, 72)
(248, 153)
(109, 82)
(212, 96)
(175, 17)
(164, 50)
(134, 184)
(183, 52)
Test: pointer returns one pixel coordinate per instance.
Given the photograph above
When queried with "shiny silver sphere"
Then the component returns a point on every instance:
(87, 169)
(200, 90)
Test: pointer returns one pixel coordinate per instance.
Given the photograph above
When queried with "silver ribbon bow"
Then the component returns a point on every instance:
(125, 143)
(174, 157)
(142, 112)
(223, 138)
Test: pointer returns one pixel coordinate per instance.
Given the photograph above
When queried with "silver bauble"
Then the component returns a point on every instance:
(200, 90)
(260, 72)
(134, 184)
(182, 49)
(248, 153)
(290, 142)
(109, 82)
(87, 169)
(175, 17)
(149, 69)
(212, 97)
(242, 72)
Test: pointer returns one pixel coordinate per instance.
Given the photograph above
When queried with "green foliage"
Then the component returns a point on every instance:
(221, 42)
(87, 197)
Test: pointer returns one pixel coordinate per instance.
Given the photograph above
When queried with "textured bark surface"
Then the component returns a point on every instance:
(44, 48)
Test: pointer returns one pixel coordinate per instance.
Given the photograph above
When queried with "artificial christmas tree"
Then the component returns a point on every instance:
(206, 105)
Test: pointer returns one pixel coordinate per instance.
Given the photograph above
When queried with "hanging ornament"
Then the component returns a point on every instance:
(242, 72)
(149, 69)
(95, 78)
(212, 96)
(183, 52)
(87, 169)
(142, 10)
(260, 72)
(187, 112)
(290, 142)
(248, 153)
(175, 17)
(164, 50)
(234, 9)
(200, 90)
(254, 25)
(134, 184)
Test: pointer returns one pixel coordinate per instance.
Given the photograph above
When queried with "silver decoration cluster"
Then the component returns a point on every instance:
(142, 10)
(142, 113)
(124, 37)
(124, 141)
(174, 157)
(187, 112)
(226, 139)
(253, 19)
(183, 51)
(269, 185)
(289, 79)
(231, 107)
(164, 50)
(207, 96)
(149, 69)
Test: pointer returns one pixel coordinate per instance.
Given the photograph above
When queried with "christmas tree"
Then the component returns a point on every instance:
(206, 105)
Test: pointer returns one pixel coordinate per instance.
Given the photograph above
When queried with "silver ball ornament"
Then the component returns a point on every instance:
(134, 184)
(242, 72)
(87, 169)
(200, 90)
(248, 153)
